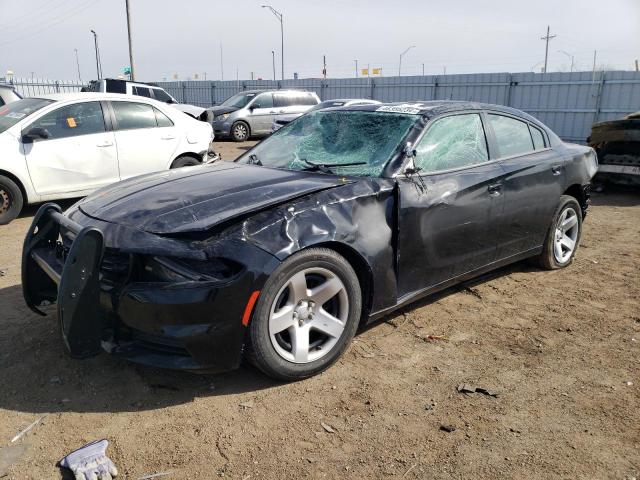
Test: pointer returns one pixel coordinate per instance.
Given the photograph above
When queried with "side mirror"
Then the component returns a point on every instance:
(254, 106)
(35, 133)
(409, 151)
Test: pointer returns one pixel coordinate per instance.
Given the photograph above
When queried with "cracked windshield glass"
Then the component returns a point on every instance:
(356, 143)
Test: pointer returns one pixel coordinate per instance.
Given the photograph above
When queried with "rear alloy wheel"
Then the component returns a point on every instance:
(306, 316)
(184, 162)
(563, 236)
(240, 132)
(10, 200)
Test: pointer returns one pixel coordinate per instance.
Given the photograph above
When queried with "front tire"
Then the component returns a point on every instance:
(563, 236)
(11, 200)
(306, 316)
(240, 132)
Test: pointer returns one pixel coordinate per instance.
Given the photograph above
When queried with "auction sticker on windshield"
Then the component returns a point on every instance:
(412, 108)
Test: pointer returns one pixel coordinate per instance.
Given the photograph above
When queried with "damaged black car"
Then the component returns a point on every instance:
(334, 221)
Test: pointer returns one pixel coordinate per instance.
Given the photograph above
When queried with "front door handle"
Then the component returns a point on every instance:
(167, 137)
(105, 144)
(495, 189)
(556, 169)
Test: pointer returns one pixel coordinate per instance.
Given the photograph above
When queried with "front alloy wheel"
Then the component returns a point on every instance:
(306, 315)
(240, 131)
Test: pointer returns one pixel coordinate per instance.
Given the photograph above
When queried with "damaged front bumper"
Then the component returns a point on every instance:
(119, 301)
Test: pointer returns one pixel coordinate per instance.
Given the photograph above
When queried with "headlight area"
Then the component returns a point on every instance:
(178, 270)
(222, 117)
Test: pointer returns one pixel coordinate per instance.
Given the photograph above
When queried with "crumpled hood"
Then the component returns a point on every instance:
(219, 110)
(193, 199)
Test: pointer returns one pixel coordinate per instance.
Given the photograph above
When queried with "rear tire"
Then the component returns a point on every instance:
(11, 200)
(240, 132)
(563, 236)
(306, 315)
(185, 161)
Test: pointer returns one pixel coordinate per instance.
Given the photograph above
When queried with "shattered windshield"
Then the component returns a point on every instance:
(240, 100)
(341, 142)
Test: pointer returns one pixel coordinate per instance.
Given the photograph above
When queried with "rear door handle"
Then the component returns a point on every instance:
(495, 189)
(556, 169)
(167, 137)
(105, 144)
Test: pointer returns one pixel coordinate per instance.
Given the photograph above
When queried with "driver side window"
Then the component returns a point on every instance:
(264, 100)
(452, 142)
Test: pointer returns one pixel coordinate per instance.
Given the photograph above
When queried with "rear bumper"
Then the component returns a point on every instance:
(102, 306)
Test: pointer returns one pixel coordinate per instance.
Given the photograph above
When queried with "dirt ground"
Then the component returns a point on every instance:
(560, 349)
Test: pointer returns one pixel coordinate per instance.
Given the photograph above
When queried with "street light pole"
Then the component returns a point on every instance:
(568, 55)
(278, 15)
(78, 65)
(95, 43)
(402, 55)
(132, 74)
(356, 68)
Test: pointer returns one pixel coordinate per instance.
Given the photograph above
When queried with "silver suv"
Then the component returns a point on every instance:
(251, 113)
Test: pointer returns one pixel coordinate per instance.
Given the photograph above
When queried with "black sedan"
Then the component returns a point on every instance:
(336, 220)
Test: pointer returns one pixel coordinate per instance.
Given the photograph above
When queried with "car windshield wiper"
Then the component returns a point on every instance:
(326, 167)
(254, 160)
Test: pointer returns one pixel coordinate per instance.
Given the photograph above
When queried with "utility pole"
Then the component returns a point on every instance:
(78, 65)
(402, 55)
(279, 16)
(273, 63)
(221, 65)
(423, 69)
(546, 38)
(95, 43)
(357, 67)
(324, 66)
(132, 76)
(637, 70)
(205, 76)
(593, 75)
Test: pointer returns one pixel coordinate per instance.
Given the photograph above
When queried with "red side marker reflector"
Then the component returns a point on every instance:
(249, 308)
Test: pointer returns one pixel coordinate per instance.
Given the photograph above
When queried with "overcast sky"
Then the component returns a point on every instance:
(183, 38)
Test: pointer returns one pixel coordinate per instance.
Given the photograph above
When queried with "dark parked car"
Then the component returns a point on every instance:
(617, 144)
(335, 220)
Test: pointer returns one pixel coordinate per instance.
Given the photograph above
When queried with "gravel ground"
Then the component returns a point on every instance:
(559, 350)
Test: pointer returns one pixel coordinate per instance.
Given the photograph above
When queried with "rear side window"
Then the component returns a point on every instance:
(280, 100)
(452, 142)
(142, 91)
(132, 116)
(538, 138)
(162, 96)
(308, 99)
(512, 135)
(161, 119)
(72, 120)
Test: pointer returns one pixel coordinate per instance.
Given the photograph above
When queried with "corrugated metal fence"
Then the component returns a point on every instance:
(569, 103)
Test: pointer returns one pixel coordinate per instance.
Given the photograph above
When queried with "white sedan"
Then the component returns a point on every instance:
(67, 145)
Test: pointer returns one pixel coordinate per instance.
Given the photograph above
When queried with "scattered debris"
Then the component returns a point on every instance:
(473, 291)
(468, 389)
(10, 455)
(629, 384)
(155, 475)
(248, 404)
(90, 461)
(26, 430)
(447, 428)
(3, 272)
(327, 428)
(430, 406)
(55, 380)
(407, 472)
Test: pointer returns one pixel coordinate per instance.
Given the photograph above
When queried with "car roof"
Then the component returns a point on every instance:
(284, 90)
(62, 97)
(347, 100)
(432, 108)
